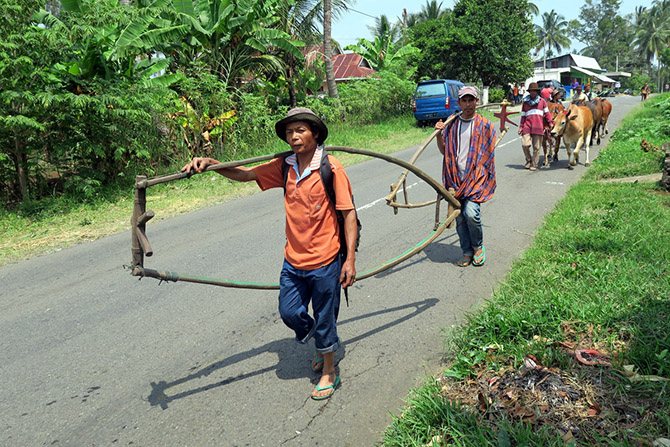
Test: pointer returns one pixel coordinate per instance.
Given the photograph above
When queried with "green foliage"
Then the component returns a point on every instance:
(553, 33)
(504, 38)
(624, 156)
(376, 99)
(635, 82)
(383, 53)
(496, 95)
(233, 38)
(73, 119)
(444, 49)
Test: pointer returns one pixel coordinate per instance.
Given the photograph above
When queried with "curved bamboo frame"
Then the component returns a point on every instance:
(140, 243)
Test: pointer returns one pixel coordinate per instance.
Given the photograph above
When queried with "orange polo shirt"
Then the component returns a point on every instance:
(312, 232)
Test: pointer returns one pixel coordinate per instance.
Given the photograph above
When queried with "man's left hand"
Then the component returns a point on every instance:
(348, 274)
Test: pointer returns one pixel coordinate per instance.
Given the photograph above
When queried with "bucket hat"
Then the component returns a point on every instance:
(302, 114)
(534, 86)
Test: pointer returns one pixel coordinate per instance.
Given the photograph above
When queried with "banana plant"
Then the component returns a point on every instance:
(235, 37)
(128, 50)
(382, 53)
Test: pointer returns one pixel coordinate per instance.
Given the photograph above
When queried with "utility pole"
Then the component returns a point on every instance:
(544, 66)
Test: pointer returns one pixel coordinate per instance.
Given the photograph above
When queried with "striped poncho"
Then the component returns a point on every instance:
(479, 181)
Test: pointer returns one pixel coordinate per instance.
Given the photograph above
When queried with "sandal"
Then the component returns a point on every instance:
(465, 261)
(527, 165)
(332, 389)
(480, 257)
(317, 363)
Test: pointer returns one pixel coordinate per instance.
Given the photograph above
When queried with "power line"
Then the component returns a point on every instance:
(362, 13)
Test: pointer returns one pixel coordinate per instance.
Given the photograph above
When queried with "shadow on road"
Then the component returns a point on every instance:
(289, 358)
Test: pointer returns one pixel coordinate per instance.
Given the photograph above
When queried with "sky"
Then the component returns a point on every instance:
(354, 24)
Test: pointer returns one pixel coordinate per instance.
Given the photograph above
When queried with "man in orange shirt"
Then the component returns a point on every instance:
(313, 269)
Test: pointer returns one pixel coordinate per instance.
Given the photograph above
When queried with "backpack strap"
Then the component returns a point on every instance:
(326, 174)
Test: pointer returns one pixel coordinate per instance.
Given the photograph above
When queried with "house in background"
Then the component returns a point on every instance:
(348, 67)
(570, 67)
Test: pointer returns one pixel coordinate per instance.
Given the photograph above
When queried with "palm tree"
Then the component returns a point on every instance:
(328, 49)
(432, 11)
(381, 53)
(302, 20)
(552, 34)
(640, 11)
(384, 28)
(653, 31)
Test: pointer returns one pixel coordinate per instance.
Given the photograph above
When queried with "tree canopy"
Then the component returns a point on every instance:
(481, 41)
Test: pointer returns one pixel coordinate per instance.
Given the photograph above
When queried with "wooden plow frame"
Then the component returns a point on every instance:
(140, 246)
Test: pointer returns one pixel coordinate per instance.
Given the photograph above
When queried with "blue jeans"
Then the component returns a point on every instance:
(322, 287)
(469, 228)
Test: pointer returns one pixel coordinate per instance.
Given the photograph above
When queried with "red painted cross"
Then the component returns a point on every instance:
(503, 114)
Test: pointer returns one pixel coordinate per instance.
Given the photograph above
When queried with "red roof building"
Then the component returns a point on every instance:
(349, 67)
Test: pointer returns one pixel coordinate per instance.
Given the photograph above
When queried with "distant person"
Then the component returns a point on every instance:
(579, 95)
(573, 87)
(667, 86)
(546, 93)
(314, 268)
(468, 146)
(644, 92)
(588, 93)
(555, 96)
(535, 118)
(516, 94)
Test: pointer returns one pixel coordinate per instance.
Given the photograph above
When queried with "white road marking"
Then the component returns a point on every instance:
(554, 183)
(512, 141)
(373, 203)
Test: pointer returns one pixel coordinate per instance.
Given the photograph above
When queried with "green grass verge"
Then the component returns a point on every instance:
(597, 276)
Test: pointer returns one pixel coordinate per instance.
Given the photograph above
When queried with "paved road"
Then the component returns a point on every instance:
(91, 356)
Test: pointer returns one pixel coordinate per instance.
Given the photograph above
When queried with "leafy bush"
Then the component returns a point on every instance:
(496, 95)
(376, 99)
(635, 82)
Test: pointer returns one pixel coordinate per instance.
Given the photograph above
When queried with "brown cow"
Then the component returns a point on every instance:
(596, 108)
(575, 126)
(547, 140)
(607, 109)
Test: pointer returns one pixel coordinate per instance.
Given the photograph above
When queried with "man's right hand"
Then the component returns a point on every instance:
(440, 125)
(198, 164)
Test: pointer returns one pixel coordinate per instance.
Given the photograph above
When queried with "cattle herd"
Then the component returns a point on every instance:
(581, 123)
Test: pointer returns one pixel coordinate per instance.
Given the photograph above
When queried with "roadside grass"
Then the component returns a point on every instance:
(596, 277)
(624, 157)
(52, 224)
